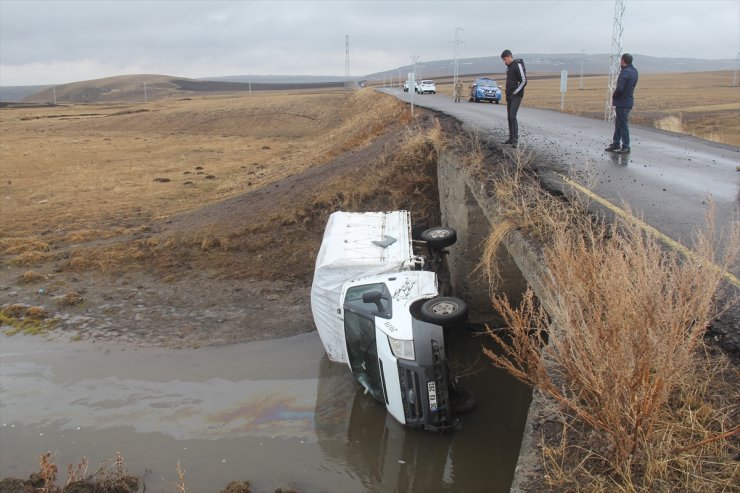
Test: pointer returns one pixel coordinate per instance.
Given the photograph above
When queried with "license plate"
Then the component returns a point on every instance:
(432, 389)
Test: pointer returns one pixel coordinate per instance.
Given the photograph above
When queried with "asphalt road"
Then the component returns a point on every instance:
(667, 180)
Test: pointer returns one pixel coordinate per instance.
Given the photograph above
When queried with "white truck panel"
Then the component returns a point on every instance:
(355, 245)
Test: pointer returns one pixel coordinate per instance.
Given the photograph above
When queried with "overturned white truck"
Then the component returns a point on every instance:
(376, 304)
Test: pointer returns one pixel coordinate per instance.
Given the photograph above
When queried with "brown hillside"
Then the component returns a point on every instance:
(130, 89)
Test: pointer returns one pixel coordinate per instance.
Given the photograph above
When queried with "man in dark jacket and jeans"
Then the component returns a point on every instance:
(516, 79)
(623, 99)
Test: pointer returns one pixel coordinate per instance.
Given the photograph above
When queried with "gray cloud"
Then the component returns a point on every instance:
(57, 41)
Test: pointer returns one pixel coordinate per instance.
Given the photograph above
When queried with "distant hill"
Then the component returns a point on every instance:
(148, 87)
(278, 79)
(543, 63)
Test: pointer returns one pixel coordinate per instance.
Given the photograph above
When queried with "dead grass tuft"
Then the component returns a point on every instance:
(238, 487)
(619, 348)
(29, 320)
(16, 246)
(71, 298)
(36, 313)
(671, 123)
(31, 277)
(30, 259)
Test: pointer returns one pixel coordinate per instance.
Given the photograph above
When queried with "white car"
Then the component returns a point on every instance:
(427, 87)
(406, 87)
(376, 305)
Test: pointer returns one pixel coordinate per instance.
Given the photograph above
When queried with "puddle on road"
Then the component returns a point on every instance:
(276, 413)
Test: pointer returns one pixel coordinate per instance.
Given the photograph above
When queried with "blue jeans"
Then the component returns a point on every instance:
(621, 127)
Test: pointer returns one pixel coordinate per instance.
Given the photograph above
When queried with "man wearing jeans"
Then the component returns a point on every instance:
(516, 79)
(623, 100)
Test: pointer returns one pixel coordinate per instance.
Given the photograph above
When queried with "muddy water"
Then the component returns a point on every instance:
(276, 413)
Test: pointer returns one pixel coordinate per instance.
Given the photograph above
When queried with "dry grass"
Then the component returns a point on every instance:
(706, 101)
(30, 277)
(620, 349)
(277, 245)
(96, 173)
(90, 170)
(26, 319)
(671, 123)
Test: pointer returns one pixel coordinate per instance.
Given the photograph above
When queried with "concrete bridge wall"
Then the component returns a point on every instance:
(467, 204)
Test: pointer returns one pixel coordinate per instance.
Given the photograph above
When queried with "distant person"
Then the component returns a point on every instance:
(458, 90)
(623, 99)
(516, 79)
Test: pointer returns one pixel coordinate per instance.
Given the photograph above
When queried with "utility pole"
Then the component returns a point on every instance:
(347, 82)
(54, 90)
(618, 28)
(583, 54)
(456, 66)
(146, 100)
(415, 68)
(737, 66)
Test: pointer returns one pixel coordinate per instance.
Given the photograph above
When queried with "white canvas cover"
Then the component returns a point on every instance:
(348, 253)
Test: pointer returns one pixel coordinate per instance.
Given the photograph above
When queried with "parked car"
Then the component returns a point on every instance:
(376, 303)
(485, 89)
(427, 87)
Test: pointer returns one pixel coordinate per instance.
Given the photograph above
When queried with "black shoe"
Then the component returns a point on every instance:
(508, 141)
(514, 145)
(612, 148)
(623, 150)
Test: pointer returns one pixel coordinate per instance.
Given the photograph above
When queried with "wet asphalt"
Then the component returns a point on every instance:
(668, 179)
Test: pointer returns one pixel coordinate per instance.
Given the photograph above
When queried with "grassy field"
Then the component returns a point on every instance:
(85, 167)
(703, 104)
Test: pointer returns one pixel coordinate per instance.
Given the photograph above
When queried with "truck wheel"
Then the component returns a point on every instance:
(439, 237)
(444, 310)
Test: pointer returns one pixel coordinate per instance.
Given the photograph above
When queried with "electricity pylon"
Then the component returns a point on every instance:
(347, 82)
(619, 6)
(456, 66)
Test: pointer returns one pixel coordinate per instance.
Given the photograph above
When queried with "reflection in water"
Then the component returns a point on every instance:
(355, 430)
(619, 159)
(271, 412)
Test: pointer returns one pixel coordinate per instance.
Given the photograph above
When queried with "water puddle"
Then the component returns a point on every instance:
(276, 413)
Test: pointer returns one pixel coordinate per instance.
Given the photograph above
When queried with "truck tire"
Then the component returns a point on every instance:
(439, 237)
(444, 310)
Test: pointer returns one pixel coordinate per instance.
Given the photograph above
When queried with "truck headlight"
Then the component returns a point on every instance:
(401, 348)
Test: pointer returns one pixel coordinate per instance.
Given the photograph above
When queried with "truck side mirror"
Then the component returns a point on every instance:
(373, 297)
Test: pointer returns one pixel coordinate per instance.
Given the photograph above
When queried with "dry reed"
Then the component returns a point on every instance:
(619, 348)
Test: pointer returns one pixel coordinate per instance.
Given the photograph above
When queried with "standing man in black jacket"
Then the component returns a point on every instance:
(623, 99)
(516, 79)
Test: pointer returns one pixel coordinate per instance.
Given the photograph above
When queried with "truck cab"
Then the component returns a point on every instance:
(375, 300)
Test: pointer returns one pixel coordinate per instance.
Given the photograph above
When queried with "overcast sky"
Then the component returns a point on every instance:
(60, 41)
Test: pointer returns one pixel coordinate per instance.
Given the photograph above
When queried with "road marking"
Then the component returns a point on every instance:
(646, 227)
